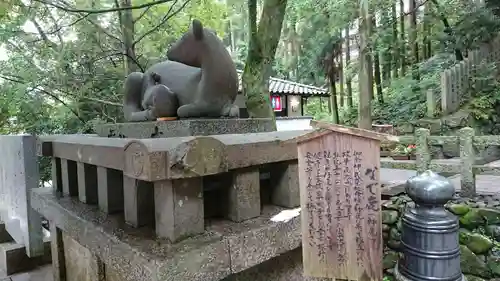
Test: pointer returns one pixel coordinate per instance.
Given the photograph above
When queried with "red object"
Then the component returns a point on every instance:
(277, 103)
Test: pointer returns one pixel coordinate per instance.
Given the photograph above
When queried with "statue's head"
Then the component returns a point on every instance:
(191, 46)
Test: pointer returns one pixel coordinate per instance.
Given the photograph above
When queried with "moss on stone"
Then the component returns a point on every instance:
(389, 216)
(491, 216)
(472, 219)
(478, 243)
(471, 264)
(390, 259)
(458, 209)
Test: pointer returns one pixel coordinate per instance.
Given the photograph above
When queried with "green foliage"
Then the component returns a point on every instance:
(484, 98)
(65, 72)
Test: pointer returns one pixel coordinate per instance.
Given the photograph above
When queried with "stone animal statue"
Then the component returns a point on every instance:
(199, 79)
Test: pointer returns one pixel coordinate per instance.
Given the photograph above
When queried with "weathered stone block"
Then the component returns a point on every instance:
(467, 161)
(244, 194)
(19, 176)
(257, 245)
(138, 202)
(13, 258)
(110, 190)
(179, 208)
(80, 263)
(187, 127)
(285, 267)
(285, 181)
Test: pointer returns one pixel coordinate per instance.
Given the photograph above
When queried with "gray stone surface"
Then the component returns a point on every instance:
(179, 208)
(87, 183)
(184, 128)
(57, 252)
(138, 198)
(136, 254)
(244, 194)
(80, 263)
(13, 258)
(19, 175)
(69, 174)
(285, 267)
(286, 192)
(110, 189)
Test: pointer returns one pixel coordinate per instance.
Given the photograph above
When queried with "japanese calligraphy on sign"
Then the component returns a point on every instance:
(340, 201)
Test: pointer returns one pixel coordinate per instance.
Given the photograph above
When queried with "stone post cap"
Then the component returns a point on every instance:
(430, 188)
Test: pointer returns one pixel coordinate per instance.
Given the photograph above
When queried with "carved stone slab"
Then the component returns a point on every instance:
(18, 175)
(185, 128)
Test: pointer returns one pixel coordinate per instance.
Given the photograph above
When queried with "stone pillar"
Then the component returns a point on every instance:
(467, 160)
(57, 252)
(429, 234)
(110, 190)
(422, 152)
(244, 194)
(69, 178)
(285, 178)
(56, 174)
(179, 208)
(138, 202)
(87, 183)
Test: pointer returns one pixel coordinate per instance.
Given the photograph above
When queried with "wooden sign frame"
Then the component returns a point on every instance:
(339, 174)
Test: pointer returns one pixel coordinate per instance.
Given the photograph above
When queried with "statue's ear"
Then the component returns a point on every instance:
(197, 30)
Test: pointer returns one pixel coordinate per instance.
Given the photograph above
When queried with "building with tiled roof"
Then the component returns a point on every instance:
(287, 97)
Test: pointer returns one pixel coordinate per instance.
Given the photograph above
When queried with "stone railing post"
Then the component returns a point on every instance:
(467, 159)
(431, 103)
(429, 234)
(422, 152)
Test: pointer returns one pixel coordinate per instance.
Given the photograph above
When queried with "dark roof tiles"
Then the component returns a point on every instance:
(281, 86)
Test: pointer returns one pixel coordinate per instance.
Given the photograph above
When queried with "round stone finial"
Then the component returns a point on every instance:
(430, 188)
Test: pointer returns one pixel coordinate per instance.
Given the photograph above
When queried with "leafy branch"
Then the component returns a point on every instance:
(67, 8)
(165, 18)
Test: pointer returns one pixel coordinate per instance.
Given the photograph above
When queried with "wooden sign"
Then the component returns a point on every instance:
(339, 177)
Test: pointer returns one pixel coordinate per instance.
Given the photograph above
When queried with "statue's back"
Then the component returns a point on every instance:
(182, 79)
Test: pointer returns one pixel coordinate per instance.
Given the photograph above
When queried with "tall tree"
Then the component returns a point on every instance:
(261, 50)
(365, 68)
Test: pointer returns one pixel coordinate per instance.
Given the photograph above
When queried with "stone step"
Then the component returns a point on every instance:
(13, 258)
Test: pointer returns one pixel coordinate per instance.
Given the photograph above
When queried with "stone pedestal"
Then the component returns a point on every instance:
(185, 128)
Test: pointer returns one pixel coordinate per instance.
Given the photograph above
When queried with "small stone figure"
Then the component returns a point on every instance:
(198, 80)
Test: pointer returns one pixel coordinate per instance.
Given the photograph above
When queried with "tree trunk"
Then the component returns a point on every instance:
(347, 61)
(333, 98)
(386, 54)
(128, 32)
(395, 48)
(365, 69)
(378, 82)
(341, 73)
(413, 33)
(262, 48)
(341, 77)
(403, 43)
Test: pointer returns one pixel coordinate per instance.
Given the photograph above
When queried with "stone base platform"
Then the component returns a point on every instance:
(186, 128)
(13, 258)
(90, 245)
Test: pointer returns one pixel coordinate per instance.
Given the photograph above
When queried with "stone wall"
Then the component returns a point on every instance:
(479, 234)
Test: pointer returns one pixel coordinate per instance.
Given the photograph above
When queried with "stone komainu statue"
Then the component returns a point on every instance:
(199, 79)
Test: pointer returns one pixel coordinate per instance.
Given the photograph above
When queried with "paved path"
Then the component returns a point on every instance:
(485, 184)
(40, 274)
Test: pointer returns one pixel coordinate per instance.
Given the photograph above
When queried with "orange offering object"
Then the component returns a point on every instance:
(166, 118)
